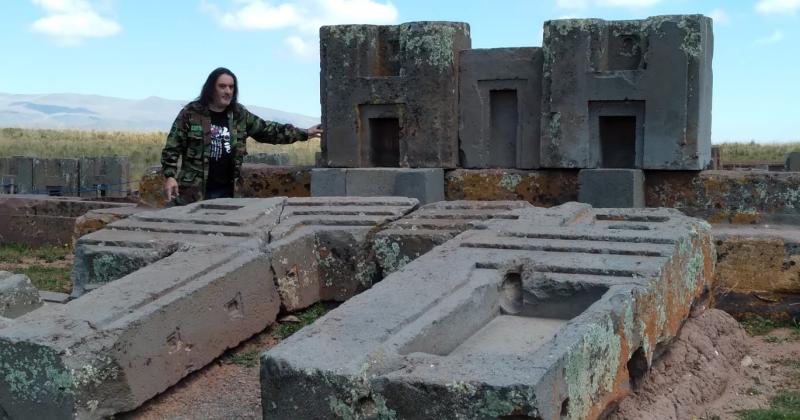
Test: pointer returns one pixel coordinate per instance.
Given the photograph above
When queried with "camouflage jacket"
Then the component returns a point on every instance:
(190, 140)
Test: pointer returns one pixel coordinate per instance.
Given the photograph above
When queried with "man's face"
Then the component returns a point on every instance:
(223, 91)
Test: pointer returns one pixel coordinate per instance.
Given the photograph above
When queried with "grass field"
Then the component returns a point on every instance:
(142, 148)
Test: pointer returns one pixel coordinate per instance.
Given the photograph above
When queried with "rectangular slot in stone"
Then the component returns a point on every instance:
(54, 191)
(504, 126)
(618, 141)
(384, 139)
(522, 318)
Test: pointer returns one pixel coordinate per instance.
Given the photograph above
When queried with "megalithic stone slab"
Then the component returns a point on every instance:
(116, 347)
(105, 176)
(627, 94)
(546, 316)
(17, 295)
(321, 249)
(423, 184)
(406, 239)
(16, 175)
(611, 187)
(126, 245)
(56, 177)
(500, 92)
(390, 94)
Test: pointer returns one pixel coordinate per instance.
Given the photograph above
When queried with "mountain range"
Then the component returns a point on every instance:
(94, 112)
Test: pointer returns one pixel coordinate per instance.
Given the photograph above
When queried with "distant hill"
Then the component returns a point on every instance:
(94, 112)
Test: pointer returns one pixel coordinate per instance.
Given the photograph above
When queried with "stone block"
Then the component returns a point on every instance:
(105, 176)
(792, 162)
(56, 177)
(97, 219)
(18, 296)
(273, 159)
(611, 187)
(628, 72)
(390, 94)
(540, 188)
(263, 181)
(541, 316)
(116, 347)
(500, 92)
(151, 188)
(16, 175)
(405, 240)
(425, 185)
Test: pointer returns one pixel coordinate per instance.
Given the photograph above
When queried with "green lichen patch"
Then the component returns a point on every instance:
(389, 254)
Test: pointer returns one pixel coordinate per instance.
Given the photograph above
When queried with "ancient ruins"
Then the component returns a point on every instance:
(444, 216)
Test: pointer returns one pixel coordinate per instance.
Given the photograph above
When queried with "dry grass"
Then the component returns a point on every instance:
(755, 152)
(142, 148)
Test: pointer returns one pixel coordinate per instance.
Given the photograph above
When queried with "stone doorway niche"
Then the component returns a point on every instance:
(503, 127)
(379, 132)
(617, 133)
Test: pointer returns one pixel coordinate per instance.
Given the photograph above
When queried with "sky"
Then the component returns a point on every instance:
(140, 48)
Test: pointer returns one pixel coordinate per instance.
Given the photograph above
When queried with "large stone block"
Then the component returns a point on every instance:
(116, 347)
(263, 180)
(543, 316)
(18, 296)
(105, 176)
(425, 185)
(56, 177)
(540, 188)
(390, 94)
(500, 92)
(16, 175)
(611, 187)
(648, 87)
(405, 240)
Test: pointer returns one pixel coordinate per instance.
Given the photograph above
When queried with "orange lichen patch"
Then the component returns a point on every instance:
(540, 188)
(260, 180)
(756, 264)
(621, 386)
(151, 188)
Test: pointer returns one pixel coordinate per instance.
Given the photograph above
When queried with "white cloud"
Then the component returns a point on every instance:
(768, 7)
(585, 4)
(70, 22)
(302, 18)
(719, 16)
(774, 38)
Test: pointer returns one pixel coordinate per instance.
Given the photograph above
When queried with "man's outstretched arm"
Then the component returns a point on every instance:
(276, 133)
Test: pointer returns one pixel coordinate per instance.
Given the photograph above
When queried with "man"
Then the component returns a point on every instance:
(209, 136)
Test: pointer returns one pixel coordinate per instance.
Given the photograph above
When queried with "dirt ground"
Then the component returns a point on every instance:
(710, 371)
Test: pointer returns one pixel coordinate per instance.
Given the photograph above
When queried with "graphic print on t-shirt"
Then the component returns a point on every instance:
(220, 141)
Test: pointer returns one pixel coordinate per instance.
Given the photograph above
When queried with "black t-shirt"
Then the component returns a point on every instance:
(220, 162)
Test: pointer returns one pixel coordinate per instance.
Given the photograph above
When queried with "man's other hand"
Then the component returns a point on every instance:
(314, 131)
(171, 188)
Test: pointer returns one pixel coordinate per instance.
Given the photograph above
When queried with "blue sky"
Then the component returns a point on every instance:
(140, 48)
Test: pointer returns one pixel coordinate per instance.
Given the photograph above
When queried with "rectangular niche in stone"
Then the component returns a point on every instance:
(499, 107)
(390, 94)
(603, 79)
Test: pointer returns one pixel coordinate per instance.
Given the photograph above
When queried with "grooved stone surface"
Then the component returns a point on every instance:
(426, 341)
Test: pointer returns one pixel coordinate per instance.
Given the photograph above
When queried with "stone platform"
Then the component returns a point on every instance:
(548, 315)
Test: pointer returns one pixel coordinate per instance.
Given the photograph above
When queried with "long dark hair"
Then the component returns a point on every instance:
(207, 94)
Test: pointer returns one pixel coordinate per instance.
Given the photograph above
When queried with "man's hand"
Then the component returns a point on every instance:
(171, 188)
(314, 131)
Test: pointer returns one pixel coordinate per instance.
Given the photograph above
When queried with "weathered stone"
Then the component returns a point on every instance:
(116, 347)
(407, 239)
(43, 220)
(540, 316)
(274, 159)
(105, 176)
(757, 271)
(792, 162)
(262, 180)
(390, 94)
(656, 70)
(56, 177)
(151, 188)
(620, 188)
(18, 296)
(16, 175)
(499, 105)
(425, 185)
(97, 219)
(143, 238)
(540, 188)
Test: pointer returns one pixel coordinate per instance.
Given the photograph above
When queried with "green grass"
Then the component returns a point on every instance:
(29, 261)
(307, 316)
(761, 326)
(246, 359)
(742, 152)
(142, 148)
(784, 406)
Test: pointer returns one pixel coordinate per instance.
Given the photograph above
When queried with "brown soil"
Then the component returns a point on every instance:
(28, 262)
(711, 370)
(714, 369)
